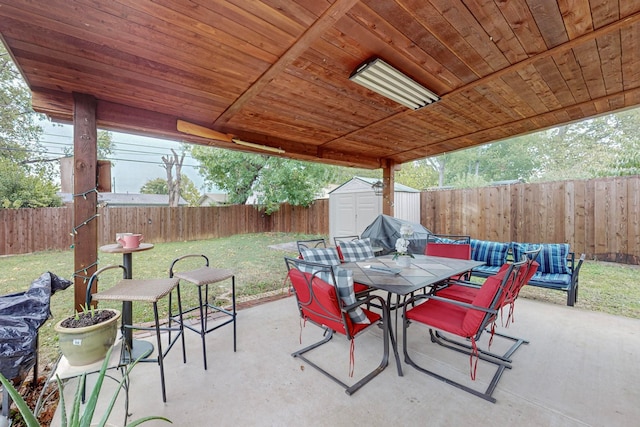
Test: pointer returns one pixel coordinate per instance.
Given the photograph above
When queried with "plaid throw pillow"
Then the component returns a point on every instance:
(328, 256)
(552, 257)
(356, 250)
(491, 253)
(344, 283)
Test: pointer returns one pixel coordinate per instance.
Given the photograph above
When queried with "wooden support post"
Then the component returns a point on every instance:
(388, 195)
(85, 201)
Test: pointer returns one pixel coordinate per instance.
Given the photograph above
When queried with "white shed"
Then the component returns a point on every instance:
(354, 205)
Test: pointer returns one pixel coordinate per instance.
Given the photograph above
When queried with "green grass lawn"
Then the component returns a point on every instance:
(258, 269)
(606, 287)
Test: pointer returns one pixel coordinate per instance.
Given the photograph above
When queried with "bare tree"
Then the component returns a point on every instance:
(173, 185)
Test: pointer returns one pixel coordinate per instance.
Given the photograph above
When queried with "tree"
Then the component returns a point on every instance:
(188, 189)
(272, 180)
(18, 189)
(26, 181)
(155, 186)
(173, 185)
(418, 174)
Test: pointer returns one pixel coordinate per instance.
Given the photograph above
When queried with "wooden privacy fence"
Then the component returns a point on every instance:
(32, 230)
(600, 217)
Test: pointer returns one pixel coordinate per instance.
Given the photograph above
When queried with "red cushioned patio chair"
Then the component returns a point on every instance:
(450, 246)
(466, 292)
(319, 303)
(466, 322)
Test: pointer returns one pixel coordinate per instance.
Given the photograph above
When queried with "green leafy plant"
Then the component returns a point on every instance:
(86, 308)
(75, 418)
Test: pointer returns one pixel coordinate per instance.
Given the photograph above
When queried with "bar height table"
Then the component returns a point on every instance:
(135, 348)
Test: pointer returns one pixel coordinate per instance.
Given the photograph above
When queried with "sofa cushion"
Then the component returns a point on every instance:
(551, 280)
(485, 271)
(552, 257)
(491, 253)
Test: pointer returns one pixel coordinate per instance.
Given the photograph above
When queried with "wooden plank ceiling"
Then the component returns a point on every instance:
(275, 72)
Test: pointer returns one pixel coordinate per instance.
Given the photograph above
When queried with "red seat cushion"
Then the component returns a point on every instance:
(459, 293)
(484, 298)
(449, 250)
(440, 315)
(359, 287)
(324, 308)
(467, 293)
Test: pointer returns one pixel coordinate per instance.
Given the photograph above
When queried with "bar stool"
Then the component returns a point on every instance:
(150, 291)
(205, 276)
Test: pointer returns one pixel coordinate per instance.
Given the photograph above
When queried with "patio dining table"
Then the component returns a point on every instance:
(383, 274)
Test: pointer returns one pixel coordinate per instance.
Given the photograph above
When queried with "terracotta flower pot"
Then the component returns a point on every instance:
(85, 345)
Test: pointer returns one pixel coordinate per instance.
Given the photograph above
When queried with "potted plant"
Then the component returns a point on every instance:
(402, 256)
(87, 336)
(74, 418)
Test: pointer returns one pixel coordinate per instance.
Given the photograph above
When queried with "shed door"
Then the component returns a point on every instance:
(368, 207)
(351, 213)
(343, 220)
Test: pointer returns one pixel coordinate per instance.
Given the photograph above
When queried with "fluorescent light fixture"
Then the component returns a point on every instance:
(258, 146)
(382, 78)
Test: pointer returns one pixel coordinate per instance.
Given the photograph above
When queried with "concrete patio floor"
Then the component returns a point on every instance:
(580, 369)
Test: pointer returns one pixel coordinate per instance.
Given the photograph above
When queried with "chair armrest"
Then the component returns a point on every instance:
(465, 283)
(363, 301)
(576, 271)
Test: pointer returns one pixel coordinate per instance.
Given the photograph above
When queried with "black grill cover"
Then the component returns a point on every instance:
(21, 314)
(385, 230)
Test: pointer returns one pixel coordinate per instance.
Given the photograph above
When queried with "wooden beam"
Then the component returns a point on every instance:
(85, 200)
(197, 130)
(388, 193)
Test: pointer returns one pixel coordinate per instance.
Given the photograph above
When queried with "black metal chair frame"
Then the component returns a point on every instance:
(337, 240)
(455, 238)
(502, 362)
(310, 244)
(204, 306)
(328, 334)
(161, 354)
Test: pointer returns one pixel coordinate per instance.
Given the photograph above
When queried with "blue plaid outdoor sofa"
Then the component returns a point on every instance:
(558, 269)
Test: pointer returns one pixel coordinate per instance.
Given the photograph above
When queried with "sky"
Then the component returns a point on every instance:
(135, 159)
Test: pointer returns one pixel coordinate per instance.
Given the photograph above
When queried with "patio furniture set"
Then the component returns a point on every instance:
(154, 290)
(342, 289)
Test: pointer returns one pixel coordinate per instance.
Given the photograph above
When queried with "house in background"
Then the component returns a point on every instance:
(213, 199)
(105, 196)
(354, 205)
